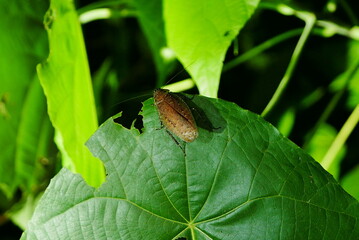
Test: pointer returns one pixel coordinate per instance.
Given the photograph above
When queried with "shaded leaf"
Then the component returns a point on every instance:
(240, 179)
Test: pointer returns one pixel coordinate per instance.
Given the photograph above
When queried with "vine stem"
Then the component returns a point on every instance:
(341, 138)
(96, 14)
(333, 102)
(310, 20)
(261, 48)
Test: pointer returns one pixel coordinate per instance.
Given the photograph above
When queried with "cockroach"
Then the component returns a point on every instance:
(175, 115)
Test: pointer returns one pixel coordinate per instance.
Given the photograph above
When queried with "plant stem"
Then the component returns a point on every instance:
(261, 47)
(329, 28)
(310, 21)
(180, 86)
(96, 14)
(332, 104)
(341, 138)
(101, 4)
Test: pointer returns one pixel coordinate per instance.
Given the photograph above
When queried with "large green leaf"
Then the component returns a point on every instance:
(66, 80)
(24, 129)
(240, 179)
(200, 33)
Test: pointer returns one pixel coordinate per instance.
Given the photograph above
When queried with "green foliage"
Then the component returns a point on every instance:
(240, 174)
(286, 123)
(190, 25)
(320, 144)
(25, 131)
(344, 81)
(66, 80)
(350, 182)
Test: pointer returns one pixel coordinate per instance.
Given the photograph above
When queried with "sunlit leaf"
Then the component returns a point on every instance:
(66, 80)
(200, 33)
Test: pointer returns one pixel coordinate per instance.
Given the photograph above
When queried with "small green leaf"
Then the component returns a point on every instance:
(240, 179)
(200, 33)
(350, 182)
(286, 121)
(66, 80)
(319, 145)
(341, 81)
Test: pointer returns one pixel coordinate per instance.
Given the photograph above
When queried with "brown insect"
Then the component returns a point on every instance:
(175, 115)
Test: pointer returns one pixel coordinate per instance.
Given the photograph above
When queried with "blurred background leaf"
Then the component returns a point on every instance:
(350, 182)
(23, 109)
(320, 144)
(28, 154)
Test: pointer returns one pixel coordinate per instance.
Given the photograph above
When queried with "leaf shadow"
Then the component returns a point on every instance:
(206, 114)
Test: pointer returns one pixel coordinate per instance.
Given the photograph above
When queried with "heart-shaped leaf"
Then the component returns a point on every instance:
(240, 179)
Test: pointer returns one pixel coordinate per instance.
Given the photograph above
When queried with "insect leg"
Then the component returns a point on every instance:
(175, 140)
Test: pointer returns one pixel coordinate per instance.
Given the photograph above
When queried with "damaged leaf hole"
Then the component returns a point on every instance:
(174, 115)
(131, 115)
(130, 108)
(178, 115)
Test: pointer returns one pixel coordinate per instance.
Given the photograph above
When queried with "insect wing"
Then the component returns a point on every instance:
(175, 115)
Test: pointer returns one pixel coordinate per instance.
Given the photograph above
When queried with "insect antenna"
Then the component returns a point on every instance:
(182, 85)
(133, 104)
(129, 109)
